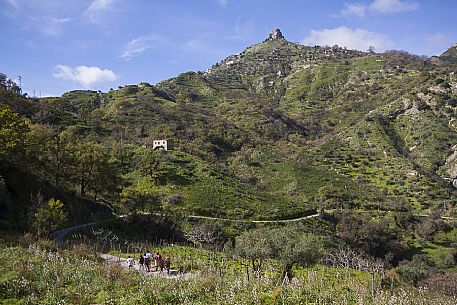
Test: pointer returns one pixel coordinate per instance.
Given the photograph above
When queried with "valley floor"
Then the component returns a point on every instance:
(41, 273)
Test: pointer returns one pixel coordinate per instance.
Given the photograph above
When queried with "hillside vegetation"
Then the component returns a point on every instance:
(277, 132)
(40, 274)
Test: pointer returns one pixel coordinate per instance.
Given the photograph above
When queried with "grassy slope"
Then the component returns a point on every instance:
(39, 274)
(272, 140)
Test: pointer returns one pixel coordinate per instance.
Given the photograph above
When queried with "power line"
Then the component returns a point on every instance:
(20, 83)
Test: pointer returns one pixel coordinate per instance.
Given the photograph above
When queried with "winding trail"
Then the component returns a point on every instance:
(59, 235)
(254, 221)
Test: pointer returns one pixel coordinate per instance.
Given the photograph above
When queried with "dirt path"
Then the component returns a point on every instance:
(116, 260)
(254, 221)
(60, 234)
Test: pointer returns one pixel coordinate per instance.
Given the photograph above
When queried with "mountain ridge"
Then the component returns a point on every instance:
(287, 122)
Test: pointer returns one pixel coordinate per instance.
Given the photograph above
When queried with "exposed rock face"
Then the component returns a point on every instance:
(275, 35)
(450, 55)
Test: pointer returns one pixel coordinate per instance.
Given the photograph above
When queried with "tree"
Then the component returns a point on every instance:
(8, 84)
(208, 233)
(58, 156)
(414, 270)
(149, 165)
(50, 217)
(405, 59)
(429, 226)
(91, 168)
(3, 79)
(134, 199)
(334, 197)
(375, 237)
(254, 245)
(292, 247)
(286, 244)
(166, 167)
(350, 259)
(52, 153)
(12, 131)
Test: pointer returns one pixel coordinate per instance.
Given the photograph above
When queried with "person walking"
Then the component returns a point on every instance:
(147, 262)
(158, 263)
(161, 263)
(130, 262)
(167, 264)
(141, 262)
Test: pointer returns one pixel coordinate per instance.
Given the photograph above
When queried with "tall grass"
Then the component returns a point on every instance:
(42, 274)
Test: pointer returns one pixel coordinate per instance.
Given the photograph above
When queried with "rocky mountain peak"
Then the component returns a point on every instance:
(275, 34)
(450, 55)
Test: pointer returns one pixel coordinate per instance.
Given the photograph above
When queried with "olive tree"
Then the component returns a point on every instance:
(286, 244)
(254, 245)
(292, 247)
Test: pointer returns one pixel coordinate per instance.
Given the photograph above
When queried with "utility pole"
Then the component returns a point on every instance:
(33, 93)
(20, 83)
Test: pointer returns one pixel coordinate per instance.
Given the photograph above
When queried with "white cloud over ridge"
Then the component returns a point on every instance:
(354, 9)
(378, 7)
(138, 45)
(392, 6)
(96, 10)
(84, 75)
(359, 39)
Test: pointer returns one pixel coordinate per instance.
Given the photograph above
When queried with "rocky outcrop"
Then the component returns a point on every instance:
(275, 35)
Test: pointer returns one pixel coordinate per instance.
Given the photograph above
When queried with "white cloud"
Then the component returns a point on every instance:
(49, 25)
(359, 39)
(222, 2)
(378, 7)
(86, 76)
(95, 12)
(354, 9)
(13, 3)
(139, 45)
(98, 5)
(194, 44)
(11, 10)
(392, 6)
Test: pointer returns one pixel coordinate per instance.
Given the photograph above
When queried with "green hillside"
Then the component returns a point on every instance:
(264, 130)
(294, 156)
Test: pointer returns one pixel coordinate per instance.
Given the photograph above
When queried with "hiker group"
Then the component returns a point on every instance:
(145, 262)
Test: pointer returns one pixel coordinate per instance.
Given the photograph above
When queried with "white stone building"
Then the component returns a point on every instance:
(162, 145)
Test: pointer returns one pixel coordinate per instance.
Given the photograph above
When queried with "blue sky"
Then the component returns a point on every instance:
(61, 45)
